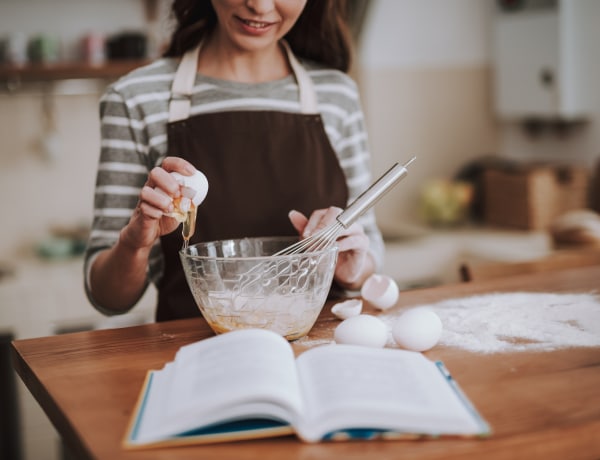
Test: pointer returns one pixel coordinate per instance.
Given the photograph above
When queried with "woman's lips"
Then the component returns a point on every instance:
(255, 26)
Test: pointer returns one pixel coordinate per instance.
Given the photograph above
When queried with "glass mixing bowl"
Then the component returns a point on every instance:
(239, 284)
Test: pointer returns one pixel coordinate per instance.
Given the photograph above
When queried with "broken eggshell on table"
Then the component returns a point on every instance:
(347, 308)
(417, 329)
(380, 291)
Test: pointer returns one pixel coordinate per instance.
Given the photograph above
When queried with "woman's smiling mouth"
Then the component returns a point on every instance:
(255, 24)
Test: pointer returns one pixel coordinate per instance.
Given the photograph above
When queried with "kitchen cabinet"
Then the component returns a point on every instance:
(41, 298)
(433, 256)
(546, 63)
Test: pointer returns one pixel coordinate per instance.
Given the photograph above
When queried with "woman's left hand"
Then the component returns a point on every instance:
(354, 263)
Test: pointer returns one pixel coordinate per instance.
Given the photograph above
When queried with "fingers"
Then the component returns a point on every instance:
(159, 178)
(176, 164)
(351, 239)
(354, 263)
(353, 246)
(156, 197)
(298, 220)
(150, 219)
(154, 202)
(320, 219)
(354, 242)
(161, 187)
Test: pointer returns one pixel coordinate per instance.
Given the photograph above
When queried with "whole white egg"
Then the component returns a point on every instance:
(380, 291)
(365, 330)
(418, 329)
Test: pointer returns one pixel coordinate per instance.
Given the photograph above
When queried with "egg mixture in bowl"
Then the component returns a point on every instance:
(239, 283)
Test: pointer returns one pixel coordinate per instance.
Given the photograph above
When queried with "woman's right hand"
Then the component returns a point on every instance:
(149, 220)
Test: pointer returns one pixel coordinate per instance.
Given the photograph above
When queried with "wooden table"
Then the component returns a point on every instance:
(540, 405)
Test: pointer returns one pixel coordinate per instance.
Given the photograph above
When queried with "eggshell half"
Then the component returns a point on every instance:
(197, 182)
(418, 329)
(347, 309)
(365, 330)
(381, 291)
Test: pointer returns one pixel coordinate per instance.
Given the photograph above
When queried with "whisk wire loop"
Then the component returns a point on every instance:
(328, 235)
(316, 242)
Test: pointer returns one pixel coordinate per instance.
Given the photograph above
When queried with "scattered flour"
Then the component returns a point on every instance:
(519, 321)
(308, 342)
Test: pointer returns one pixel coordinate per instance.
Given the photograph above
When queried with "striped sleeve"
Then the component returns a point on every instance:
(122, 172)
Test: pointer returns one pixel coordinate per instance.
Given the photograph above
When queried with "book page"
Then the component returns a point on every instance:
(346, 386)
(243, 374)
(149, 424)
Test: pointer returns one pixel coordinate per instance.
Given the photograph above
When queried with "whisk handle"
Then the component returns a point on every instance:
(370, 196)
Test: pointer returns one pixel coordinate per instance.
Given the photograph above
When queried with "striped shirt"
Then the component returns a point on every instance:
(134, 113)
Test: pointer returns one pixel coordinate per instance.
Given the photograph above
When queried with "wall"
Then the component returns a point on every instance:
(425, 77)
(70, 19)
(426, 72)
(38, 192)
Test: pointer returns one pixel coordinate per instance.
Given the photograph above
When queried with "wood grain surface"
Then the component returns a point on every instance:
(542, 405)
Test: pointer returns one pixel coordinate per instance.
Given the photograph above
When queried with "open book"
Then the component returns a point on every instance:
(248, 383)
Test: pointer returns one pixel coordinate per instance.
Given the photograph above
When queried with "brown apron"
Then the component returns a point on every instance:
(259, 165)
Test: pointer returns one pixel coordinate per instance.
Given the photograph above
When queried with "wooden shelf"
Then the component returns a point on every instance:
(66, 70)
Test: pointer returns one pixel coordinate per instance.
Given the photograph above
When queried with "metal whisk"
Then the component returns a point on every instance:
(328, 235)
(253, 280)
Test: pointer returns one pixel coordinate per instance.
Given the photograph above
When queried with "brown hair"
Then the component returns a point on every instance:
(320, 34)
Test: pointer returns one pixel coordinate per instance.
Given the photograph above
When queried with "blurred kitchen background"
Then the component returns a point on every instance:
(498, 100)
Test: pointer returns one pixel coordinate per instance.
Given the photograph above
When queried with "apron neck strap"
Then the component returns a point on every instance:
(185, 76)
(183, 85)
(308, 95)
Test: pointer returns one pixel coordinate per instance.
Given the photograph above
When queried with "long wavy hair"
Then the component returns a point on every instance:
(320, 34)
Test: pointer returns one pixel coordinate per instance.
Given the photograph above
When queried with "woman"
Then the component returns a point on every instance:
(253, 94)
